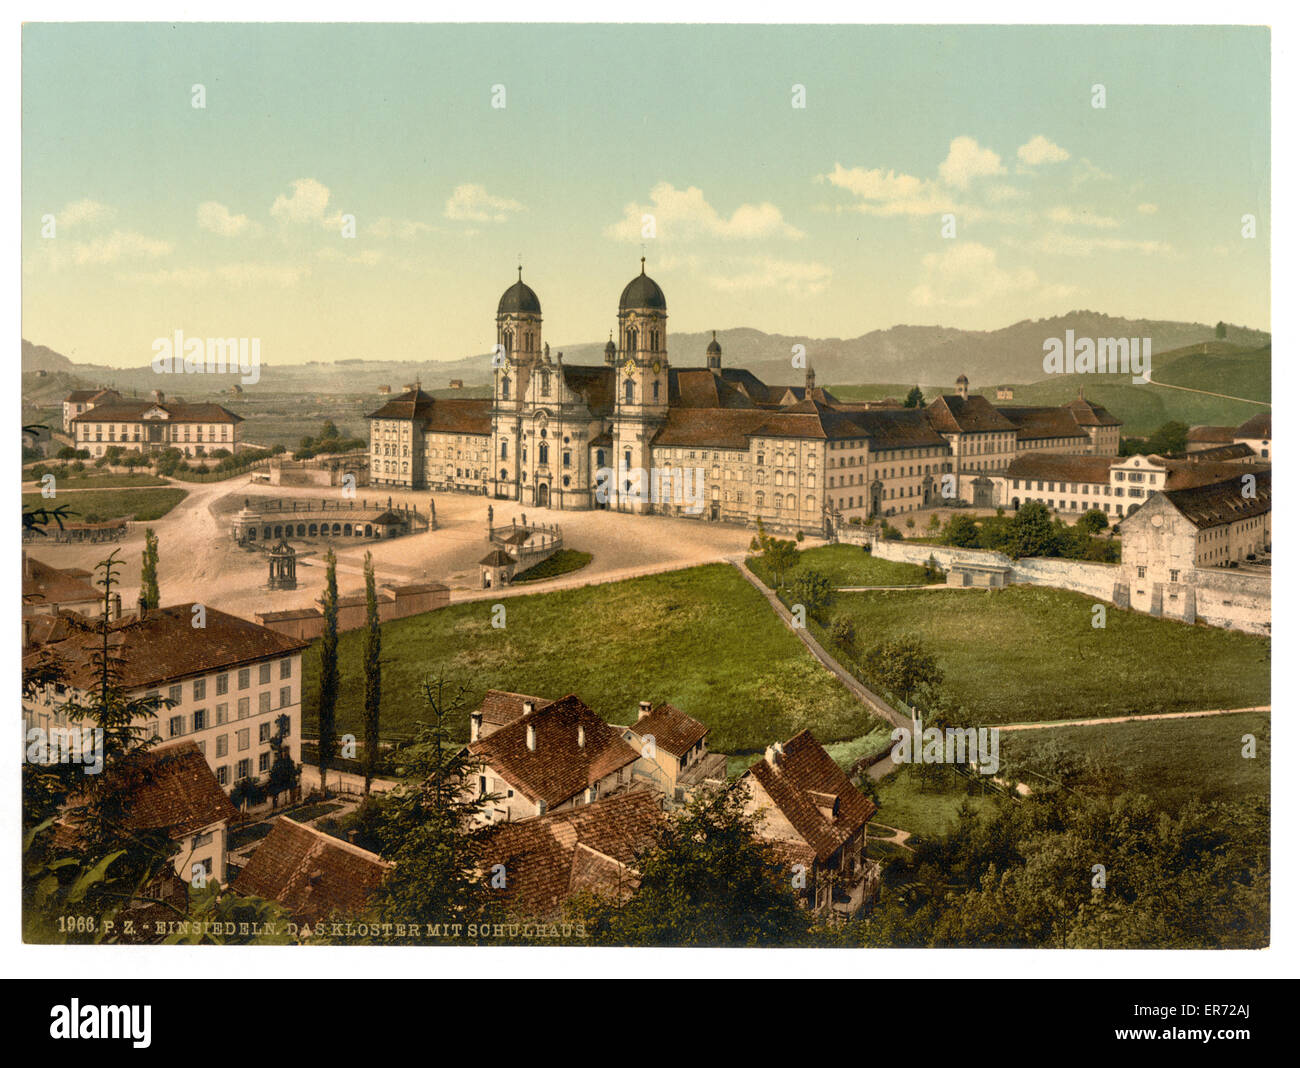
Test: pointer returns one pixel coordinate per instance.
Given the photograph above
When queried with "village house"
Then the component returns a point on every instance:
(1256, 433)
(549, 757)
(173, 790)
(816, 821)
(312, 874)
(675, 744)
(47, 590)
(224, 686)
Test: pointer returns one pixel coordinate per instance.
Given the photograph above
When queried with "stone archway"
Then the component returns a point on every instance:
(542, 495)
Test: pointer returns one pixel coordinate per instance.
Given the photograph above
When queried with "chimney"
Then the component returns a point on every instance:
(528, 708)
(774, 754)
(643, 710)
(530, 738)
(158, 396)
(582, 737)
(475, 725)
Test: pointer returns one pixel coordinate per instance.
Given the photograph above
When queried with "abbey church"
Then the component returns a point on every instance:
(572, 436)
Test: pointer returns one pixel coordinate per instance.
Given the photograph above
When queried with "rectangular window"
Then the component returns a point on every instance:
(264, 701)
(223, 775)
(200, 689)
(263, 674)
(201, 719)
(264, 732)
(241, 739)
(223, 685)
(243, 678)
(174, 694)
(243, 708)
(243, 768)
(176, 726)
(286, 696)
(223, 713)
(286, 669)
(223, 745)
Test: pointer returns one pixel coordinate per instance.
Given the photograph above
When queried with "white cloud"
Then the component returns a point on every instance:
(888, 193)
(306, 205)
(1083, 217)
(119, 245)
(770, 272)
(1039, 150)
(219, 219)
(473, 203)
(1087, 171)
(967, 275)
(82, 213)
(1148, 209)
(682, 214)
(966, 160)
(384, 228)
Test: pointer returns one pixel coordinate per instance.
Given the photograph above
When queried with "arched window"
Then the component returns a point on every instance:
(656, 391)
(546, 383)
(543, 451)
(627, 459)
(758, 500)
(503, 448)
(600, 457)
(627, 391)
(631, 339)
(505, 388)
(789, 502)
(503, 473)
(809, 504)
(508, 341)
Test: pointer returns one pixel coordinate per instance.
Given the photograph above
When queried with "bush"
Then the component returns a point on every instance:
(843, 631)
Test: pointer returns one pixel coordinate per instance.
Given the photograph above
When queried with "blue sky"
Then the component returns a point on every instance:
(825, 220)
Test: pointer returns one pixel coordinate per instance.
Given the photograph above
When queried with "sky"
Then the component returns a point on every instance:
(956, 176)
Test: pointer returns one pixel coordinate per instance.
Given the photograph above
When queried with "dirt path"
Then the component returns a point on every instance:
(1129, 719)
(1207, 393)
(873, 702)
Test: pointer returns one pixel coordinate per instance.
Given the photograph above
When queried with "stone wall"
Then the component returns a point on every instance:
(1217, 597)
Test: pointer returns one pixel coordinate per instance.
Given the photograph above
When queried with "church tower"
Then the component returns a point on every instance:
(641, 385)
(519, 344)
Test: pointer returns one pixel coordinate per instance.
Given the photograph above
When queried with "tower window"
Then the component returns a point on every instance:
(505, 388)
(627, 391)
(656, 390)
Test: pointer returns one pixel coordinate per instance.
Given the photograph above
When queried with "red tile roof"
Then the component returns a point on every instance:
(1062, 467)
(500, 707)
(557, 768)
(1033, 424)
(1223, 435)
(45, 584)
(1219, 503)
(594, 847)
(674, 731)
(310, 873)
(165, 646)
(125, 411)
(804, 775)
(953, 415)
(1257, 426)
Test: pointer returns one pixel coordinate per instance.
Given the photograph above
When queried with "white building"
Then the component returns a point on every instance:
(155, 426)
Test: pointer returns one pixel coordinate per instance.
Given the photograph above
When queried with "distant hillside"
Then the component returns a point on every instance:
(933, 354)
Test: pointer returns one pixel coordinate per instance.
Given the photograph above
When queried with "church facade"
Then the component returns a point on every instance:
(636, 434)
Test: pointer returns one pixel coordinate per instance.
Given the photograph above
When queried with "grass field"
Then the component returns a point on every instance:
(87, 480)
(561, 563)
(702, 639)
(141, 505)
(1171, 761)
(848, 565)
(931, 812)
(1027, 653)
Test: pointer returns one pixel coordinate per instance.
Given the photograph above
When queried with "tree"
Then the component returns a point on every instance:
(961, 530)
(329, 666)
(1093, 521)
(431, 832)
(915, 398)
(1169, 439)
(903, 665)
(149, 570)
(371, 667)
(284, 773)
(780, 556)
(707, 880)
(814, 591)
(1031, 532)
(1220, 330)
(844, 631)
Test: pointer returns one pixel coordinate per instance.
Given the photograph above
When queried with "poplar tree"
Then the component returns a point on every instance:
(371, 664)
(149, 570)
(329, 666)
